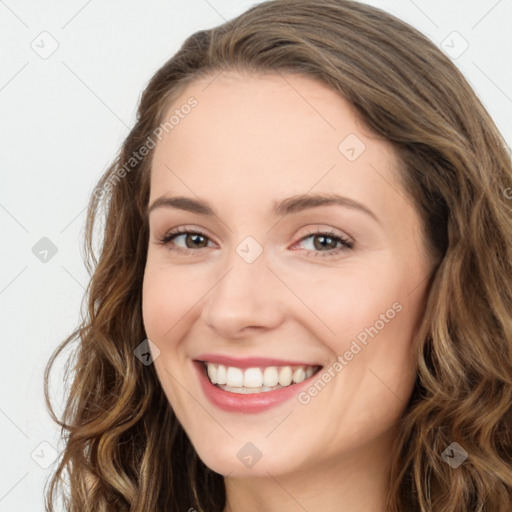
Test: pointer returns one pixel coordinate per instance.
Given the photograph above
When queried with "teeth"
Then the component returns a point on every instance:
(235, 377)
(299, 375)
(221, 375)
(270, 376)
(253, 378)
(212, 373)
(256, 380)
(285, 376)
(249, 391)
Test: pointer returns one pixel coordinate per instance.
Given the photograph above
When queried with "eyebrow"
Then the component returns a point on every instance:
(289, 205)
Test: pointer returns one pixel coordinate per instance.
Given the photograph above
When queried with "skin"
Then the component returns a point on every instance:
(253, 140)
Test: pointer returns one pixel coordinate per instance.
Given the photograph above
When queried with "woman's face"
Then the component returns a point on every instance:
(276, 277)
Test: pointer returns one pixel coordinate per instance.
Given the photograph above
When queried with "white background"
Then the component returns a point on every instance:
(63, 118)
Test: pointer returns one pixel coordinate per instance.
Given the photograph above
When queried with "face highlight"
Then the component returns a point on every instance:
(279, 230)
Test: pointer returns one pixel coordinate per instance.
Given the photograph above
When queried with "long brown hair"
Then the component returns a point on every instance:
(455, 169)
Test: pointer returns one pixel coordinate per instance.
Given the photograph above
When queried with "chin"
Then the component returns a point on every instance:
(244, 459)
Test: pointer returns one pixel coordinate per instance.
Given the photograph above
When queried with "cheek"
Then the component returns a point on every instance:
(167, 296)
(342, 302)
(370, 307)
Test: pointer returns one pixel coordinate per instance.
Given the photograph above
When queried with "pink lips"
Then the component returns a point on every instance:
(251, 403)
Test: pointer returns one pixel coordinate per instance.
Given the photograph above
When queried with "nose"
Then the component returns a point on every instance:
(248, 297)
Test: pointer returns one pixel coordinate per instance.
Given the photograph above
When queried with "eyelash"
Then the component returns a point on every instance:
(345, 242)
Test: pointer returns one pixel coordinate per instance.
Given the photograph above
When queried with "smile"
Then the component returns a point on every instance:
(257, 379)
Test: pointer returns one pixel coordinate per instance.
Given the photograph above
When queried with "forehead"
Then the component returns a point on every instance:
(260, 137)
(282, 114)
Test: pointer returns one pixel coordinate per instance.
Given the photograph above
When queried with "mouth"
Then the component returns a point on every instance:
(257, 379)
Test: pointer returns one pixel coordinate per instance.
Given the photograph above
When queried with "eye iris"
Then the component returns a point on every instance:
(326, 242)
(196, 240)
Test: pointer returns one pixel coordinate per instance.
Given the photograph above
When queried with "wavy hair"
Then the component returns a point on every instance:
(455, 169)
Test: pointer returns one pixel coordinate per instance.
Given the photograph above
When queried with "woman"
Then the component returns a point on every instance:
(302, 296)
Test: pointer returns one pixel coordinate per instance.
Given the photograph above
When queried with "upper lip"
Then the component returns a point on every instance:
(250, 362)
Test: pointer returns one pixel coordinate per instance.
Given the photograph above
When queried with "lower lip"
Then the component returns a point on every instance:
(251, 403)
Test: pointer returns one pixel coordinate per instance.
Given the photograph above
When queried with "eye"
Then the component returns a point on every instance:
(192, 240)
(326, 243)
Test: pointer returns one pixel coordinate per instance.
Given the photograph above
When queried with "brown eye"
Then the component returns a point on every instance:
(325, 244)
(185, 240)
(196, 240)
(322, 242)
